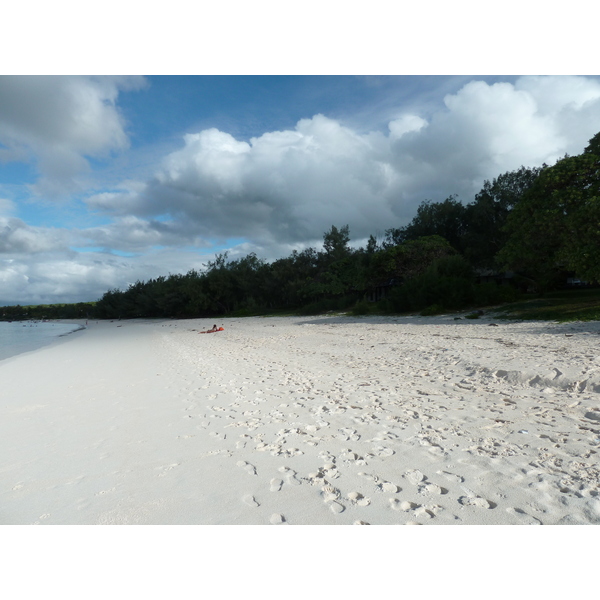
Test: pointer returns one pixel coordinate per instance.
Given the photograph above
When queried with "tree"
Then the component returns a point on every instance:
(411, 258)
(335, 242)
(445, 219)
(486, 216)
(556, 225)
(593, 146)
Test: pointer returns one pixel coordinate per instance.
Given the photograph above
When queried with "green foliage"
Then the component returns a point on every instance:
(335, 242)
(434, 309)
(444, 219)
(327, 305)
(563, 306)
(361, 308)
(556, 225)
(486, 216)
(410, 258)
(488, 294)
(446, 283)
(593, 146)
(80, 310)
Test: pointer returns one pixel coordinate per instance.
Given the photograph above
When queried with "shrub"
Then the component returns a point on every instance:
(361, 308)
(487, 294)
(434, 309)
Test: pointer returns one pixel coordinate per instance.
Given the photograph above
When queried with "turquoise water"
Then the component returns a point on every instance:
(24, 336)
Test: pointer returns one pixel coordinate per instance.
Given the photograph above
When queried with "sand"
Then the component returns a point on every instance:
(310, 421)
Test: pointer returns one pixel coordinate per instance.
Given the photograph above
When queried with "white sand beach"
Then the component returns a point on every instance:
(305, 421)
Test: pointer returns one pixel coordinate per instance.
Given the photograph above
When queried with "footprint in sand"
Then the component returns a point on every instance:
(290, 476)
(414, 476)
(250, 469)
(358, 499)
(477, 501)
(433, 488)
(523, 517)
(382, 451)
(451, 476)
(336, 507)
(277, 519)
(330, 493)
(402, 505)
(424, 513)
(276, 484)
(388, 487)
(317, 477)
(167, 468)
(329, 471)
(330, 497)
(250, 500)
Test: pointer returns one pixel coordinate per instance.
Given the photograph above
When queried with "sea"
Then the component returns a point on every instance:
(24, 336)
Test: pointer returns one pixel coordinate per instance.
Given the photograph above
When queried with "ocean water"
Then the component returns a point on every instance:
(24, 336)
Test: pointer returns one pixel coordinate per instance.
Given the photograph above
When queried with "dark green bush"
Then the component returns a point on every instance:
(434, 309)
(487, 294)
(361, 308)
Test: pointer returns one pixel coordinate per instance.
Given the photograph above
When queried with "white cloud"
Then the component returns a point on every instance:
(58, 122)
(7, 207)
(18, 237)
(67, 276)
(285, 187)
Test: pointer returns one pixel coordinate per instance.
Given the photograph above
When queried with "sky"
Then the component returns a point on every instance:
(107, 179)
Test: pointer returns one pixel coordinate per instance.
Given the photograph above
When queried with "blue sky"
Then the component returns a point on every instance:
(105, 180)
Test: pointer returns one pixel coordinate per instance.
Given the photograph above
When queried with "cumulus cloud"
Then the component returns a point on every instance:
(59, 121)
(132, 234)
(69, 276)
(290, 186)
(18, 237)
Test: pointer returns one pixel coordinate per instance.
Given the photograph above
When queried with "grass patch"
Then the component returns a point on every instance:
(562, 306)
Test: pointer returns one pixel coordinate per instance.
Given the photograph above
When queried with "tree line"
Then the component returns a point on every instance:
(542, 223)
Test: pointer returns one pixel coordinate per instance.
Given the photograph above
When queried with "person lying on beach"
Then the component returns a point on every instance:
(215, 328)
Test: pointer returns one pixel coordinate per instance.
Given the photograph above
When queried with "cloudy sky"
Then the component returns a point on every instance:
(106, 180)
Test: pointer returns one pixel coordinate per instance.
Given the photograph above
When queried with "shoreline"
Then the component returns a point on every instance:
(305, 420)
(25, 346)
